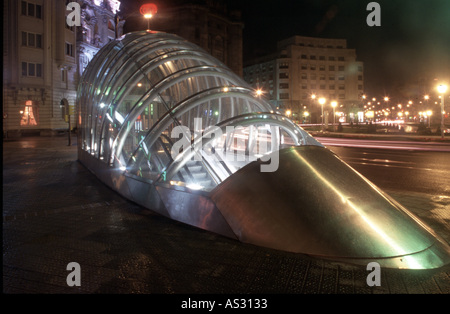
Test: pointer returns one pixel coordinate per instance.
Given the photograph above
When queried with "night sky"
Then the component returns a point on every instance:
(414, 36)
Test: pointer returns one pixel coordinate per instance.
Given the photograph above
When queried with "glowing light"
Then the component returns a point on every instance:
(194, 186)
(28, 117)
(114, 5)
(442, 88)
(144, 146)
(109, 117)
(119, 117)
(148, 10)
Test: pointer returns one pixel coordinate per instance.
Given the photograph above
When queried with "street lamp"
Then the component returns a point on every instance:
(334, 104)
(306, 114)
(313, 97)
(148, 10)
(322, 102)
(426, 97)
(442, 89)
(429, 112)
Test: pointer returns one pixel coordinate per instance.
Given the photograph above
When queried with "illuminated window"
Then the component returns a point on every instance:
(29, 114)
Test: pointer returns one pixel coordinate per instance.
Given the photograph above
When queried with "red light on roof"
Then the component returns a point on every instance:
(148, 9)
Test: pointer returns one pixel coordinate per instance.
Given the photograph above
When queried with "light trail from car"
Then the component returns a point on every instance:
(400, 145)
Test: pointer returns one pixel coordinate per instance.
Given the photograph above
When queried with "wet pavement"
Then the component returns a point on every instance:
(56, 212)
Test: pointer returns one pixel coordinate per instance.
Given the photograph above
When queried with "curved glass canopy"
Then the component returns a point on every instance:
(146, 95)
(173, 129)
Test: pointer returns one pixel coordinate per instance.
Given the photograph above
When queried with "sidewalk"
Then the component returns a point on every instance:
(56, 212)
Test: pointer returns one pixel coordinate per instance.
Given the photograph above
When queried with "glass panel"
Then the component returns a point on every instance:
(24, 39)
(38, 41)
(24, 8)
(24, 69)
(31, 69)
(30, 9)
(31, 41)
(38, 11)
(122, 105)
(39, 70)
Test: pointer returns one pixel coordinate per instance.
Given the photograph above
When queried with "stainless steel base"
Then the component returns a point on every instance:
(314, 204)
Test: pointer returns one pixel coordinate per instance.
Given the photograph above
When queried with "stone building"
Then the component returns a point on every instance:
(304, 69)
(210, 24)
(44, 57)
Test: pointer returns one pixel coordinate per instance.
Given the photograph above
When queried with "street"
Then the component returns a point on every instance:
(409, 145)
(409, 170)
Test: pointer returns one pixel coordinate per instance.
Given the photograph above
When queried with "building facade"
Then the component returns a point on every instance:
(305, 69)
(209, 24)
(44, 57)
